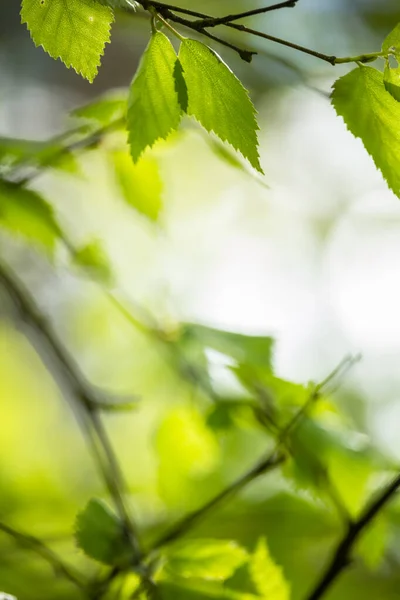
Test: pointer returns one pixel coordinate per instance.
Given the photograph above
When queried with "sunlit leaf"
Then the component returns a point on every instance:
(392, 42)
(153, 107)
(100, 534)
(218, 100)
(140, 183)
(256, 350)
(93, 261)
(205, 559)
(372, 114)
(391, 79)
(105, 110)
(24, 212)
(267, 575)
(187, 451)
(76, 31)
(199, 590)
(373, 541)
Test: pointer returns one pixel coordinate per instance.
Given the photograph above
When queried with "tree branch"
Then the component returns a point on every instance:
(271, 461)
(168, 11)
(37, 546)
(86, 408)
(213, 22)
(342, 555)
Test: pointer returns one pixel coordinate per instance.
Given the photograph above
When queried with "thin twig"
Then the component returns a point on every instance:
(86, 409)
(213, 22)
(271, 461)
(35, 545)
(342, 555)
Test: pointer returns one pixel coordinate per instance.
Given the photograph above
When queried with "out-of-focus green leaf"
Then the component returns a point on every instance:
(205, 559)
(267, 576)
(32, 153)
(273, 390)
(372, 543)
(92, 260)
(392, 42)
(140, 183)
(199, 590)
(100, 534)
(232, 159)
(255, 350)
(372, 114)
(122, 587)
(325, 457)
(76, 31)
(391, 79)
(187, 450)
(153, 106)
(106, 110)
(218, 100)
(349, 472)
(27, 214)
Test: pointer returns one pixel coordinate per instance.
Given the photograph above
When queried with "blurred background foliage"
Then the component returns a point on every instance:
(308, 255)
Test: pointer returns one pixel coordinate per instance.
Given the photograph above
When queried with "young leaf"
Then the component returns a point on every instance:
(76, 31)
(92, 260)
(140, 183)
(251, 349)
(198, 589)
(218, 100)
(105, 110)
(391, 79)
(100, 534)
(267, 576)
(371, 114)
(391, 44)
(372, 544)
(153, 107)
(26, 213)
(205, 559)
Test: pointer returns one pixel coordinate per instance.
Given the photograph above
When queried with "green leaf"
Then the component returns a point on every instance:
(267, 576)
(218, 100)
(205, 559)
(92, 259)
(188, 452)
(252, 349)
(32, 153)
(76, 31)
(24, 212)
(106, 110)
(100, 534)
(372, 114)
(372, 544)
(391, 79)
(350, 473)
(198, 590)
(153, 107)
(140, 183)
(391, 44)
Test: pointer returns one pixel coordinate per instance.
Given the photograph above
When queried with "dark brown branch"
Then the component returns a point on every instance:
(342, 555)
(168, 12)
(213, 22)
